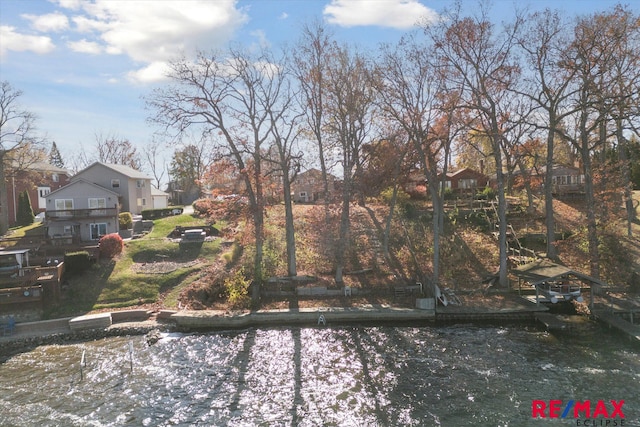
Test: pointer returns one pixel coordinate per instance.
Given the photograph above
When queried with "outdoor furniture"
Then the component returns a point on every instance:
(8, 328)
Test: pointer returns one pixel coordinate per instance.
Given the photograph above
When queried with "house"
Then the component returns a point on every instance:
(132, 186)
(38, 179)
(464, 180)
(566, 180)
(160, 199)
(81, 211)
(308, 186)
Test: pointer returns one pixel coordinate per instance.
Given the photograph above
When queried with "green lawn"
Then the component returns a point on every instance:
(115, 284)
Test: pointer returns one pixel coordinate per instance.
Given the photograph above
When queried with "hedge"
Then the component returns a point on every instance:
(159, 213)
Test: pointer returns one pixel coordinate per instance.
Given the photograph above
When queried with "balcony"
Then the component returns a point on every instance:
(81, 214)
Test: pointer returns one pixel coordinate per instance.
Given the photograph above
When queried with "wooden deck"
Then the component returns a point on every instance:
(614, 320)
(551, 322)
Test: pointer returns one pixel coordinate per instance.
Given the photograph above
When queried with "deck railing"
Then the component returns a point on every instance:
(80, 213)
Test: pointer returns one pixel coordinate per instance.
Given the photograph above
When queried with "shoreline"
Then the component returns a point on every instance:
(90, 327)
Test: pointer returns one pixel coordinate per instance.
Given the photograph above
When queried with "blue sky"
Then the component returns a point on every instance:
(84, 66)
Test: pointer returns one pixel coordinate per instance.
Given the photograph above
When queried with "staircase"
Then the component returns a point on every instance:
(517, 253)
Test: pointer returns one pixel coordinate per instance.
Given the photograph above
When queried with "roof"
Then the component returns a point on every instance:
(81, 181)
(43, 167)
(46, 167)
(157, 192)
(542, 270)
(452, 174)
(122, 169)
(14, 252)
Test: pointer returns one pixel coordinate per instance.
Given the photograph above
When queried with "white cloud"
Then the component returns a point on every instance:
(283, 16)
(154, 72)
(68, 4)
(54, 22)
(399, 14)
(85, 46)
(158, 31)
(88, 25)
(17, 42)
(261, 36)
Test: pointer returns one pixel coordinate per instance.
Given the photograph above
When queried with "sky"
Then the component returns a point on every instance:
(84, 66)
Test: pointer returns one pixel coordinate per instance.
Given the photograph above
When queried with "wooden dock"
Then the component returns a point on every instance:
(615, 321)
(551, 322)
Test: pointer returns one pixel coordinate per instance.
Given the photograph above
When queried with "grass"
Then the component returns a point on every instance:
(114, 283)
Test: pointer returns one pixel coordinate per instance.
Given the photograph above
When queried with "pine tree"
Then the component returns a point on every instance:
(24, 214)
(55, 158)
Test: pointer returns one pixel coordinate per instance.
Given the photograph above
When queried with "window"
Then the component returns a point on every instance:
(467, 183)
(43, 191)
(55, 177)
(115, 183)
(68, 229)
(142, 202)
(64, 205)
(140, 183)
(97, 206)
(98, 230)
(100, 203)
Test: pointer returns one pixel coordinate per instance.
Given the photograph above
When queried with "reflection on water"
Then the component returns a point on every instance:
(354, 376)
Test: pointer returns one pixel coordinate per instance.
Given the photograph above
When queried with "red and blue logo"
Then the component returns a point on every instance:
(587, 413)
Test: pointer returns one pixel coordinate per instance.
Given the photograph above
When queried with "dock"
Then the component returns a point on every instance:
(551, 322)
(615, 321)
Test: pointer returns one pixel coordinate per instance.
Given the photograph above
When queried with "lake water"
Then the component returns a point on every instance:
(461, 375)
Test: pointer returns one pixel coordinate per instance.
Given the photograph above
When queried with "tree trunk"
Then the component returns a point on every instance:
(289, 228)
(387, 227)
(437, 212)
(626, 176)
(344, 227)
(503, 279)
(4, 199)
(592, 230)
(552, 253)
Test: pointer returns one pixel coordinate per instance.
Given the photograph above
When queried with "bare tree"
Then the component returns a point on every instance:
(624, 40)
(188, 167)
(154, 161)
(229, 98)
(593, 57)
(311, 60)
(349, 103)
(115, 150)
(478, 61)
(409, 87)
(18, 141)
(549, 86)
(285, 129)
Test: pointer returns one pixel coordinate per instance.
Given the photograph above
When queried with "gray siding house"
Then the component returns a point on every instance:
(81, 211)
(133, 187)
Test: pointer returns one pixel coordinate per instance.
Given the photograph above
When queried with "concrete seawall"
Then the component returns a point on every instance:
(208, 319)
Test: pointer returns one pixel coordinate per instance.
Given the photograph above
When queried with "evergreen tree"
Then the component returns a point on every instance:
(55, 158)
(24, 213)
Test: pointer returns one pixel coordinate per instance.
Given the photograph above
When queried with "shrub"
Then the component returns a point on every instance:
(76, 262)
(448, 194)
(402, 196)
(158, 213)
(111, 245)
(24, 212)
(238, 290)
(487, 194)
(126, 220)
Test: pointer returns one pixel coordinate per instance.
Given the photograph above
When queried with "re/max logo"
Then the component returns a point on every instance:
(577, 409)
